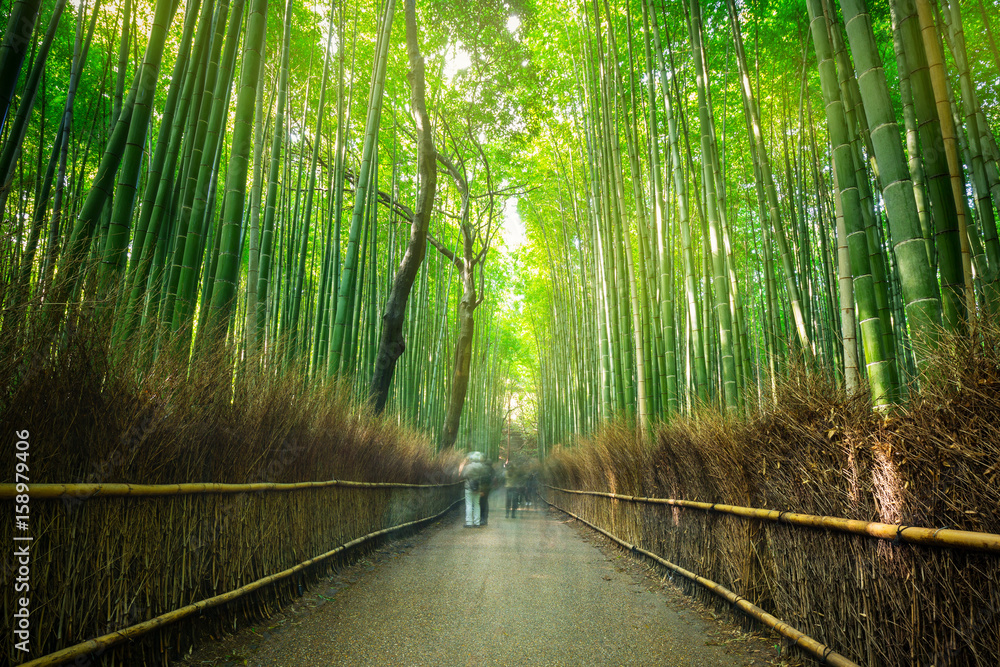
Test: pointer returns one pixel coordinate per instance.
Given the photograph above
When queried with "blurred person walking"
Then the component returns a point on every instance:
(530, 488)
(514, 486)
(485, 487)
(472, 471)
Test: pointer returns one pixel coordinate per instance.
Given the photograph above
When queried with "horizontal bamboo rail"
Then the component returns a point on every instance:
(941, 537)
(106, 641)
(824, 653)
(55, 491)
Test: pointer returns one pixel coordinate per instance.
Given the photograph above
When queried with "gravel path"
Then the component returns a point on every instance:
(529, 591)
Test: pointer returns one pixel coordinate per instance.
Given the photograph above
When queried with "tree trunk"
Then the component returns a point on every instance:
(463, 359)
(392, 343)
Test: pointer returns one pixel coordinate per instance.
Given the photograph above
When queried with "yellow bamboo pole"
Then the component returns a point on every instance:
(83, 491)
(939, 82)
(825, 654)
(941, 537)
(106, 641)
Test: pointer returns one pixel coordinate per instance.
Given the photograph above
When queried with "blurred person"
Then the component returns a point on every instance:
(472, 471)
(485, 487)
(530, 488)
(514, 484)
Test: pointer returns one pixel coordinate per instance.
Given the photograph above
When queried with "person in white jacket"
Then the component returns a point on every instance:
(473, 470)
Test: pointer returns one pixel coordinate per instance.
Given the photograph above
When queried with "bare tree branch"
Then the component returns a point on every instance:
(444, 250)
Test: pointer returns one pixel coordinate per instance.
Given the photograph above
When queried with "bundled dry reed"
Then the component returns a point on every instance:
(935, 463)
(105, 563)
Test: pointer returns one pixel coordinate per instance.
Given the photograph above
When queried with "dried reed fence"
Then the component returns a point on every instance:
(941, 537)
(111, 549)
(934, 464)
(128, 559)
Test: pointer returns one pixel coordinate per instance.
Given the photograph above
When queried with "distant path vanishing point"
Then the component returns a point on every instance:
(527, 591)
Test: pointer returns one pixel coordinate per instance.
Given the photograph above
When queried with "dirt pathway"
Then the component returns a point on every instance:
(530, 591)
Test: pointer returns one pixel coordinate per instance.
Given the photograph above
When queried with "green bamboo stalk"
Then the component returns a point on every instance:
(253, 251)
(200, 214)
(778, 229)
(18, 129)
(348, 274)
(270, 206)
(881, 369)
(942, 198)
(919, 285)
(307, 215)
(224, 293)
(720, 280)
(699, 374)
(197, 130)
(970, 105)
(13, 49)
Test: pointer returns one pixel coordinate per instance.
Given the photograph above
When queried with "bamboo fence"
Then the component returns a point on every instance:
(943, 537)
(844, 583)
(86, 491)
(889, 547)
(111, 562)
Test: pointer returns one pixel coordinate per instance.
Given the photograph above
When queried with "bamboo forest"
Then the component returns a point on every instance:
(288, 290)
